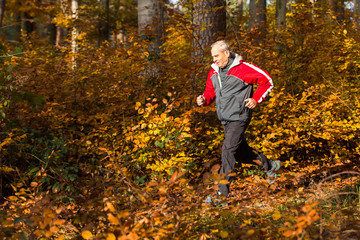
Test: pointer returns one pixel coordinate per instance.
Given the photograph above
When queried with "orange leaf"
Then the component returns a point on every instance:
(288, 233)
(113, 219)
(59, 221)
(110, 206)
(110, 236)
(86, 234)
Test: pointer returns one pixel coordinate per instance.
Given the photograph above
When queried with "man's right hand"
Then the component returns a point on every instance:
(200, 100)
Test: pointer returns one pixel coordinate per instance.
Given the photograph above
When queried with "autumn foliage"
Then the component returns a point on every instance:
(117, 148)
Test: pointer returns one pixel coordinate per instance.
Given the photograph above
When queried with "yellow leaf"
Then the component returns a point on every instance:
(224, 234)
(123, 214)
(250, 232)
(138, 104)
(86, 234)
(13, 198)
(110, 236)
(113, 219)
(224, 181)
(276, 215)
(247, 222)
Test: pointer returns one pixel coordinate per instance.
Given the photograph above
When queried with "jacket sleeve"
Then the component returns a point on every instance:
(209, 93)
(255, 75)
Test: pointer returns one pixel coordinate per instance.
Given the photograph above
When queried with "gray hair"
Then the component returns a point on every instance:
(222, 45)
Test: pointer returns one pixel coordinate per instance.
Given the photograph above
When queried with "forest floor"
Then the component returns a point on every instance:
(312, 202)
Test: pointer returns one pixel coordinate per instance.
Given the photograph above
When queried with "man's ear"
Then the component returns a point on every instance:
(227, 53)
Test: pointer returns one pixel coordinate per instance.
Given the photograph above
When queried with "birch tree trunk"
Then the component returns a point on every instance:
(2, 11)
(75, 32)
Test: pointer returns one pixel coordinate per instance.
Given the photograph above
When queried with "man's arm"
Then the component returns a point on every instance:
(255, 75)
(209, 95)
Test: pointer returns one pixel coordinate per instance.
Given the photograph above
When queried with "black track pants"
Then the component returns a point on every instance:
(235, 149)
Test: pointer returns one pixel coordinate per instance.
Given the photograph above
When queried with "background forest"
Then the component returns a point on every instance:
(100, 136)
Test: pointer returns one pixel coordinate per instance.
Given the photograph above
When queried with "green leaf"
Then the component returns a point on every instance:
(10, 68)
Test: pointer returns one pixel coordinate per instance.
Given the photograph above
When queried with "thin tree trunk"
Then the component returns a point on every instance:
(357, 13)
(51, 31)
(280, 13)
(2, 11)
(74, 33)
(241, 9)
(60, 33)
(1, 180)
(104, 26)
(338, 9)
(28, 24)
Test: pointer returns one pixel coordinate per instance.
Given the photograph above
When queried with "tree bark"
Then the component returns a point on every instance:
(257, 19)
(357, 13)
(280, 14)
(338, 9)
(209, 21)
(151, 22)
(2, 11)
(104, 26)
(241, 8)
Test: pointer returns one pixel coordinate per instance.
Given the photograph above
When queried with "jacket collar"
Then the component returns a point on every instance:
(237, 61)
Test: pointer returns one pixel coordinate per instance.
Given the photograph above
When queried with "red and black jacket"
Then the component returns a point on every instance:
(230, 93)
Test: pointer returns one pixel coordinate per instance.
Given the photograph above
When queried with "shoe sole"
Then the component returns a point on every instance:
(272, 173)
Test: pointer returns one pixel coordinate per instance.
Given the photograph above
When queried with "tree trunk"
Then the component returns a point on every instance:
(280, 14)
(338, 9)
(28, 25)
(2, 11)
(51, 31)
(104, 26)
(257, 19)
(60, 33)
(151, 22)
(209, 21)
(241, 9)
(74, 33)
(357, 13)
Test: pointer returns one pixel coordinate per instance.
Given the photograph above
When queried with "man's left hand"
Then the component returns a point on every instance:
(251, 103)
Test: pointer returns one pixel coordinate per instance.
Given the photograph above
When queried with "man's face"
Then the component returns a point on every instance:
(220, 57)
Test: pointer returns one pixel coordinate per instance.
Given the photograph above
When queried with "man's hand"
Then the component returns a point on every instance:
(200, 100)
(251, 103)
